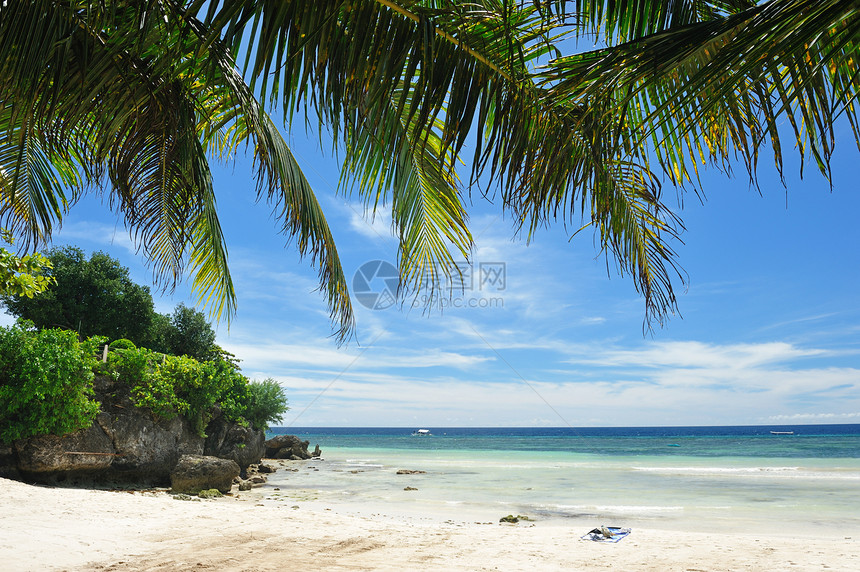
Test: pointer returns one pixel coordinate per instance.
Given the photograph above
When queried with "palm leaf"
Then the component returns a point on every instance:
(124, 94)
(421, 187)
(727, 82)
(32, 189)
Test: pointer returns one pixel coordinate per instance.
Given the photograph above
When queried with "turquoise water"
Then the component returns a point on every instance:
(710, 479)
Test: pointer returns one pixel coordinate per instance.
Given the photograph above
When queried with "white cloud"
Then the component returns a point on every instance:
(816, 417)
(694, 354)
(98, 232)
(372, 225)
(273, 357)
(800, 320)
(690, 383)
(371, 398)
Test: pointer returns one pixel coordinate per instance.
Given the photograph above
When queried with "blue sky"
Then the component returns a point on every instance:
(769, 332)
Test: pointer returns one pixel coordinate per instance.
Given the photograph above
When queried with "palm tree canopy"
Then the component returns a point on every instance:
(132, 98)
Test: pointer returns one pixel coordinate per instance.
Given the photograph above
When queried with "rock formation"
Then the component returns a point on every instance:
(228, 440)
(127, 444)
(195, 473)
(289, 447)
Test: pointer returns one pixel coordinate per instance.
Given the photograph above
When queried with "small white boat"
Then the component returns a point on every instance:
(422, 433)
(782, 432)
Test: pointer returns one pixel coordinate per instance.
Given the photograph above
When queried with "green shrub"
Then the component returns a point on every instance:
(131, 365)
(45, 382)
(196, 385)
(172, 385)
(234, 394)
(138, 368)
(267, 403)
(122, 344)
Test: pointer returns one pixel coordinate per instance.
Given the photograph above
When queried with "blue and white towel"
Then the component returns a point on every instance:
(607, 534)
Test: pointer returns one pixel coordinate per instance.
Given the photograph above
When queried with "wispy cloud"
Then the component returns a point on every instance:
(694, 354)
(799, 320)
(813, 417)
(98, 233)
(403, 399)
(372, 225)
(279, 357)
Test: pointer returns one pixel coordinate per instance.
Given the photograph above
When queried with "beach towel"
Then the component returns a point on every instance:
(607, 534)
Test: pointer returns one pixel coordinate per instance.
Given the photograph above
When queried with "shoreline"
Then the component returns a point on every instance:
(47, 528)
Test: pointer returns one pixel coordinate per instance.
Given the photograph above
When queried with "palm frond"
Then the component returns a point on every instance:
(422, 189)
(709, 91)
(235, 119)
(33, 196)
(637, 229)
(137, 94)
(348, 62)
(125, 95)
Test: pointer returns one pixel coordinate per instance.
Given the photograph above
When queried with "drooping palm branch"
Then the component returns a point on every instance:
(119, 98)
(716, 80)
(403, 85)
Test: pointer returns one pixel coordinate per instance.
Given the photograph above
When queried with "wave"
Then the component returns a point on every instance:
(786, 472)
(630, 509)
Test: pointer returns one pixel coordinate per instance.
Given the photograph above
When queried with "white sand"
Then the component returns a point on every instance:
(43, 528)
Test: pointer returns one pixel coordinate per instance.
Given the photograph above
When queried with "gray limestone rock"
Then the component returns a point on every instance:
(194, 473)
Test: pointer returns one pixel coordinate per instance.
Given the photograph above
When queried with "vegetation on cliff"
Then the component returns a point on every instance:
(46, 384)
(46, 380)
(179, 385)
(95, 296)
(46, 371)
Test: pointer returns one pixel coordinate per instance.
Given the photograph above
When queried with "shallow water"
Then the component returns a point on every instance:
(705, 482)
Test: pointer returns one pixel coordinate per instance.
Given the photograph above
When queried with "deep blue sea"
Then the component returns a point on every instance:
(745, 441)
(708, 478)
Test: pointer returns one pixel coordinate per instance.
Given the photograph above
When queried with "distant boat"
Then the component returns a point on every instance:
(422, 433)
(782, 432)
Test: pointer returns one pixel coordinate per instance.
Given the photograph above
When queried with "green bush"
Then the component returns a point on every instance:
(197, 388)
(267, 403)
(138, 368)
(122, 344)
(234, 394)
(171, 385)
(45, 382)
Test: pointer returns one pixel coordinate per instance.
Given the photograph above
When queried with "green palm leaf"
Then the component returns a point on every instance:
(421, 186)
(708, 90)
(125, 95)
(137, 95)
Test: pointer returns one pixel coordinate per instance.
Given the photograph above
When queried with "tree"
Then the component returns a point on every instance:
(191, 335)
(267, 403)
(160, 332)
(46, 382)
(91, 297)
(139, 92)
(22, 276)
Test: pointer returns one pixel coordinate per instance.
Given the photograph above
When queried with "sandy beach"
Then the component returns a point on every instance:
(45, 528)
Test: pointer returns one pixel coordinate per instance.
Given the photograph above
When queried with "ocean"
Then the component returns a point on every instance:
(710, 479)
